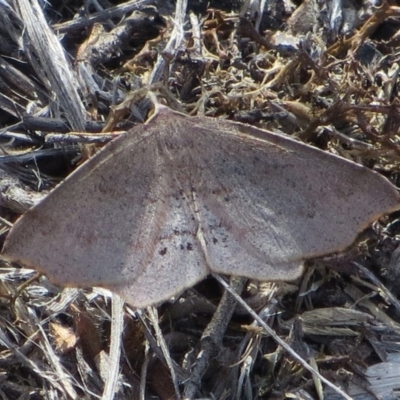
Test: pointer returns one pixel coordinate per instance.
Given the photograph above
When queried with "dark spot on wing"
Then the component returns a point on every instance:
(163, 252)
(215, 240)
(189, 246)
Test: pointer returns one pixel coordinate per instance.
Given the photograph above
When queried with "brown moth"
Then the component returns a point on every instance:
(162, 206)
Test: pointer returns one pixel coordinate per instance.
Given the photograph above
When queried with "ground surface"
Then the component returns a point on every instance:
(324, 72)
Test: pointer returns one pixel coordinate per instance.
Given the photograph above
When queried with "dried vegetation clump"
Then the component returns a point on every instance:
(75, 74)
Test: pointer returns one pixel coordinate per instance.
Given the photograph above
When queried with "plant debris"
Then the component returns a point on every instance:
(323, 72)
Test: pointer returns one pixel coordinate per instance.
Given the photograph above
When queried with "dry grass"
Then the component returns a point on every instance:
(64, 80)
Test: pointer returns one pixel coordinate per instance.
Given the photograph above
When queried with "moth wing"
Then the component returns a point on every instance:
(267, 202)
(156, 209)
(116, 222)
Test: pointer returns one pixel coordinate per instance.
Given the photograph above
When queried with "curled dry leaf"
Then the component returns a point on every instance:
(162, 206)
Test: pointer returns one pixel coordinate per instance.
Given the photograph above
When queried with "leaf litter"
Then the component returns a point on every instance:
(323, 90)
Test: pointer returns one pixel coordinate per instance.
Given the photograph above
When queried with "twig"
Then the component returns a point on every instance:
(212, 337)
(117, 326)
(153, 314)
(280, 341)
(174, 42)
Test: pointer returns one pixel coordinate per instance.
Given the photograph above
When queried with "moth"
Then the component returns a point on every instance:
(167, 203)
